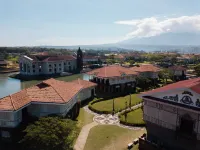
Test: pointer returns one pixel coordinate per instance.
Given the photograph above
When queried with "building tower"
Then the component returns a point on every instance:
(79, 59)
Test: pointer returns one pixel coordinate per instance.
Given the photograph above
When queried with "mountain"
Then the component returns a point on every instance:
(185, 39)
(111, 47)
(183, 42)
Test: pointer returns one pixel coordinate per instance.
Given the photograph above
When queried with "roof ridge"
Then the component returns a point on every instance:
(57, 93)
(12, 102)
(79, 81)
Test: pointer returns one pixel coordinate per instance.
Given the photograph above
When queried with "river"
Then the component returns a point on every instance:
(10, 85)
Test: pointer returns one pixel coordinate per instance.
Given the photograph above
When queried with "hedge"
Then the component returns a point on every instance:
(104, 112)
(128, 123)
(98, 111)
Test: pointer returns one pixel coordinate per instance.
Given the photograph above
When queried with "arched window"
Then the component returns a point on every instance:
(187, 124)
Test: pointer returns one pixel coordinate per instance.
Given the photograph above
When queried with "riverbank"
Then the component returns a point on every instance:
(9, 71)
(11, 85)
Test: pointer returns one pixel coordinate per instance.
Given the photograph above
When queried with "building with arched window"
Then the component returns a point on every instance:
(34, 65)
(172, 116)
(113, 79)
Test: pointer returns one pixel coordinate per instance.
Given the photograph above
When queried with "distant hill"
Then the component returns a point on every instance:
(172, 39)
(111, 47)
(183, 42)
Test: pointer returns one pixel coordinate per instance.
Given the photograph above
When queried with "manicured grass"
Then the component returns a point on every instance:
(107, 137)
(134, 117)
(84, 118)
(119, 103)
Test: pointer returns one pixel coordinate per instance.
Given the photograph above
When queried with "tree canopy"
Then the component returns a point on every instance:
(143, 82)
(50, 133)
(165, 74)
(197, 69)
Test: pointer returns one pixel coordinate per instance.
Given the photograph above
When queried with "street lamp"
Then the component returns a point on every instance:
(113, 111)
(130, 101)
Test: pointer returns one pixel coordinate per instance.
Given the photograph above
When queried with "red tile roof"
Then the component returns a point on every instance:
(48, 91)
(177, 68)
(112, 71)
(45, 58)
(193, 84)
(145, 68)
(84, 83)
(89, 57)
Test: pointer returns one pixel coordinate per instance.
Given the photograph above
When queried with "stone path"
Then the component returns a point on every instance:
(81, 140)
(108, 119)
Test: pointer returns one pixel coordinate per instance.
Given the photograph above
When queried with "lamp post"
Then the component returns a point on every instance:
(130, 101)
(113, 111)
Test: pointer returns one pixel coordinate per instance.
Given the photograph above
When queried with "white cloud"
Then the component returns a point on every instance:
(153, 26)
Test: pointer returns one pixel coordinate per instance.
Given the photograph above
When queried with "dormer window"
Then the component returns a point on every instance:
(123, 74)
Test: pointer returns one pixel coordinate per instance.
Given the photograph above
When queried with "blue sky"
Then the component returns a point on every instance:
(77, 22)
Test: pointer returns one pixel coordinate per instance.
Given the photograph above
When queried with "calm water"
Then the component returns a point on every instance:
(9, 85)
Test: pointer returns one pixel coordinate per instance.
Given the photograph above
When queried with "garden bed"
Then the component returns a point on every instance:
(105, 106)
(133, 118)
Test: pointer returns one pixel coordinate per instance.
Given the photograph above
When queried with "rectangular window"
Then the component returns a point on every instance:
(55, 65)
(39, 70)
(5, 134)
(59, 64)
(33, 66)
(49, 65)
(50, 70)
(68, 63)
(33, 70)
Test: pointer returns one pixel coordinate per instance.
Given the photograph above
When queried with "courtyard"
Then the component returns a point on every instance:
(110, 134)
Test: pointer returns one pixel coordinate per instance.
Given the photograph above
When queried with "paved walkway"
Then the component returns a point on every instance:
(81, 140)
(103, 116)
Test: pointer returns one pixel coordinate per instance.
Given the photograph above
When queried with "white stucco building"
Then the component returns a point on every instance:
(172, 115)
(50, 97)
(147, 70)
(46, 64)
(113, 79)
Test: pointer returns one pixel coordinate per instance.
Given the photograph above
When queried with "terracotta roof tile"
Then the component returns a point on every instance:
(48, 91)
(112, 71)
(84, 83)
(145, 68)
(45, 58)
(193, 84)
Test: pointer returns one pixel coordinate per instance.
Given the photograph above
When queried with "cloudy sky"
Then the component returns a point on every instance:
(77, 22)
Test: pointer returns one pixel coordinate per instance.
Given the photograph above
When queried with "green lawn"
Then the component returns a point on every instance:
(134, 117)
(107, 137)
(119, 103)
(84, 118)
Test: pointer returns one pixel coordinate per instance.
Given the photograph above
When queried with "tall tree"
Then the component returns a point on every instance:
(197, 69)
(165, 74)
(52, 133)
